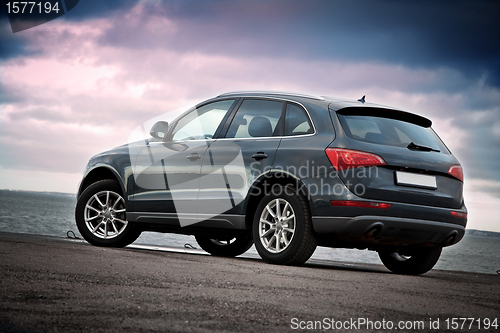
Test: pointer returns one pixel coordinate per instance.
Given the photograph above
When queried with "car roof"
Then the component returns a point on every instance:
(333, 102)
(270, 94)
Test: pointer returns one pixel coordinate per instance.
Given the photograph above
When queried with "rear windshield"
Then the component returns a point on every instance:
(389, 132)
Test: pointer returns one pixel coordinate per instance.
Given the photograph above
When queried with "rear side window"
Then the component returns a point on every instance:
(390, 132)
(256, 119)
(296, 121)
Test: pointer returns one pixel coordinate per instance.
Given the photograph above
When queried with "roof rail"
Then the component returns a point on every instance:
(271, 93)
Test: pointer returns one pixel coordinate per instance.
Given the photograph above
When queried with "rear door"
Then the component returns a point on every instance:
(244, 153)
(417, 160)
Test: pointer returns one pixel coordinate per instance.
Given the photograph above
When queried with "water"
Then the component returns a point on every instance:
(53, 215)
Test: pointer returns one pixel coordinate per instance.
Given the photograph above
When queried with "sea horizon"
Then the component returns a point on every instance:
(52, 214)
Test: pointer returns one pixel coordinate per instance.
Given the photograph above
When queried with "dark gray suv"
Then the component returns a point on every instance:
(287, 172)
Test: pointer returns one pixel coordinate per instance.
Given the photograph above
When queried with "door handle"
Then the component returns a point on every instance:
(259, 156)
(194, 157)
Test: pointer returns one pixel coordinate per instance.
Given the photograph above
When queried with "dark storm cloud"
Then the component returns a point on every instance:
(457, 34)
(461, 35)
(11, 45)
(91, 9)
(480, 156)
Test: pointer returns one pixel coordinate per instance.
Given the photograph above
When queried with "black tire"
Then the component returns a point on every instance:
(101, 216)
(280, 245)
(419, 261)
(230, 247)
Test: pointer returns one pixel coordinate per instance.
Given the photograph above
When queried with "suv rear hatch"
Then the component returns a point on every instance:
(415, 166)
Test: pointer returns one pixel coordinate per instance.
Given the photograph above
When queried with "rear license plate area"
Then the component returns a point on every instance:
(416, 180)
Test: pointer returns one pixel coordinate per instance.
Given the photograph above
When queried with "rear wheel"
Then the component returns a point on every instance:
(101, 216)
(419, 261)
(225, 247)
(282, 228)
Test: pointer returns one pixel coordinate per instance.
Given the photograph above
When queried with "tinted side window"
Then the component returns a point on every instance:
(201, 123)
(297, 121)
(256, 119)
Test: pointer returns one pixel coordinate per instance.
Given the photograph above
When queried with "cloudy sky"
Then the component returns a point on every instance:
(80, 84)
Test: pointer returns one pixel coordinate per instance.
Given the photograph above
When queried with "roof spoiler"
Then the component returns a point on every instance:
(386, 113)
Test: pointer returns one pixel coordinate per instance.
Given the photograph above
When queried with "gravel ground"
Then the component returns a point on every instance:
(50, 284)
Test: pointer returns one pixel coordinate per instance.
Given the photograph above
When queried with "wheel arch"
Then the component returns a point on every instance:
(258, 189)
(100, 172)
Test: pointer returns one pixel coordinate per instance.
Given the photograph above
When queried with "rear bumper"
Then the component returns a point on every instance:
(384, 231)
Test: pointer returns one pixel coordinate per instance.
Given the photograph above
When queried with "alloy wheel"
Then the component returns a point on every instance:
(105, 214)
(277, 225)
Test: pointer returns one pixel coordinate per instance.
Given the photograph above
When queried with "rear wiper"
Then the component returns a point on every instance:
(414, 146)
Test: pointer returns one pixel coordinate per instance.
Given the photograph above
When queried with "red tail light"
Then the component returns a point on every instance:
(348, 159)
(457, 172)
(459, 214)
(366, 204)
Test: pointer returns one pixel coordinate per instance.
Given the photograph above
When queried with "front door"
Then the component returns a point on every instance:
(167, 173)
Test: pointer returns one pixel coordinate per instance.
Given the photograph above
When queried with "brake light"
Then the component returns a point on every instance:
(348, 159)
(366, 204)
(457, 172)
(459, 214)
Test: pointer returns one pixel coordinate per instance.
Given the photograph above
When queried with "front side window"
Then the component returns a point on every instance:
(256, 119)
(201, 123)
(296, 121)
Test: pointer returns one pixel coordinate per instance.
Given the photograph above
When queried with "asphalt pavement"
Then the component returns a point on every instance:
(50, 284)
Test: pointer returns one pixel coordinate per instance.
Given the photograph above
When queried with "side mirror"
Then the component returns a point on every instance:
(159, 130)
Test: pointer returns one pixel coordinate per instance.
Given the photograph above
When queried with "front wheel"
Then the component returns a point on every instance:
(418, 261)
(226, 247)
(282, 228)
(101, 216)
